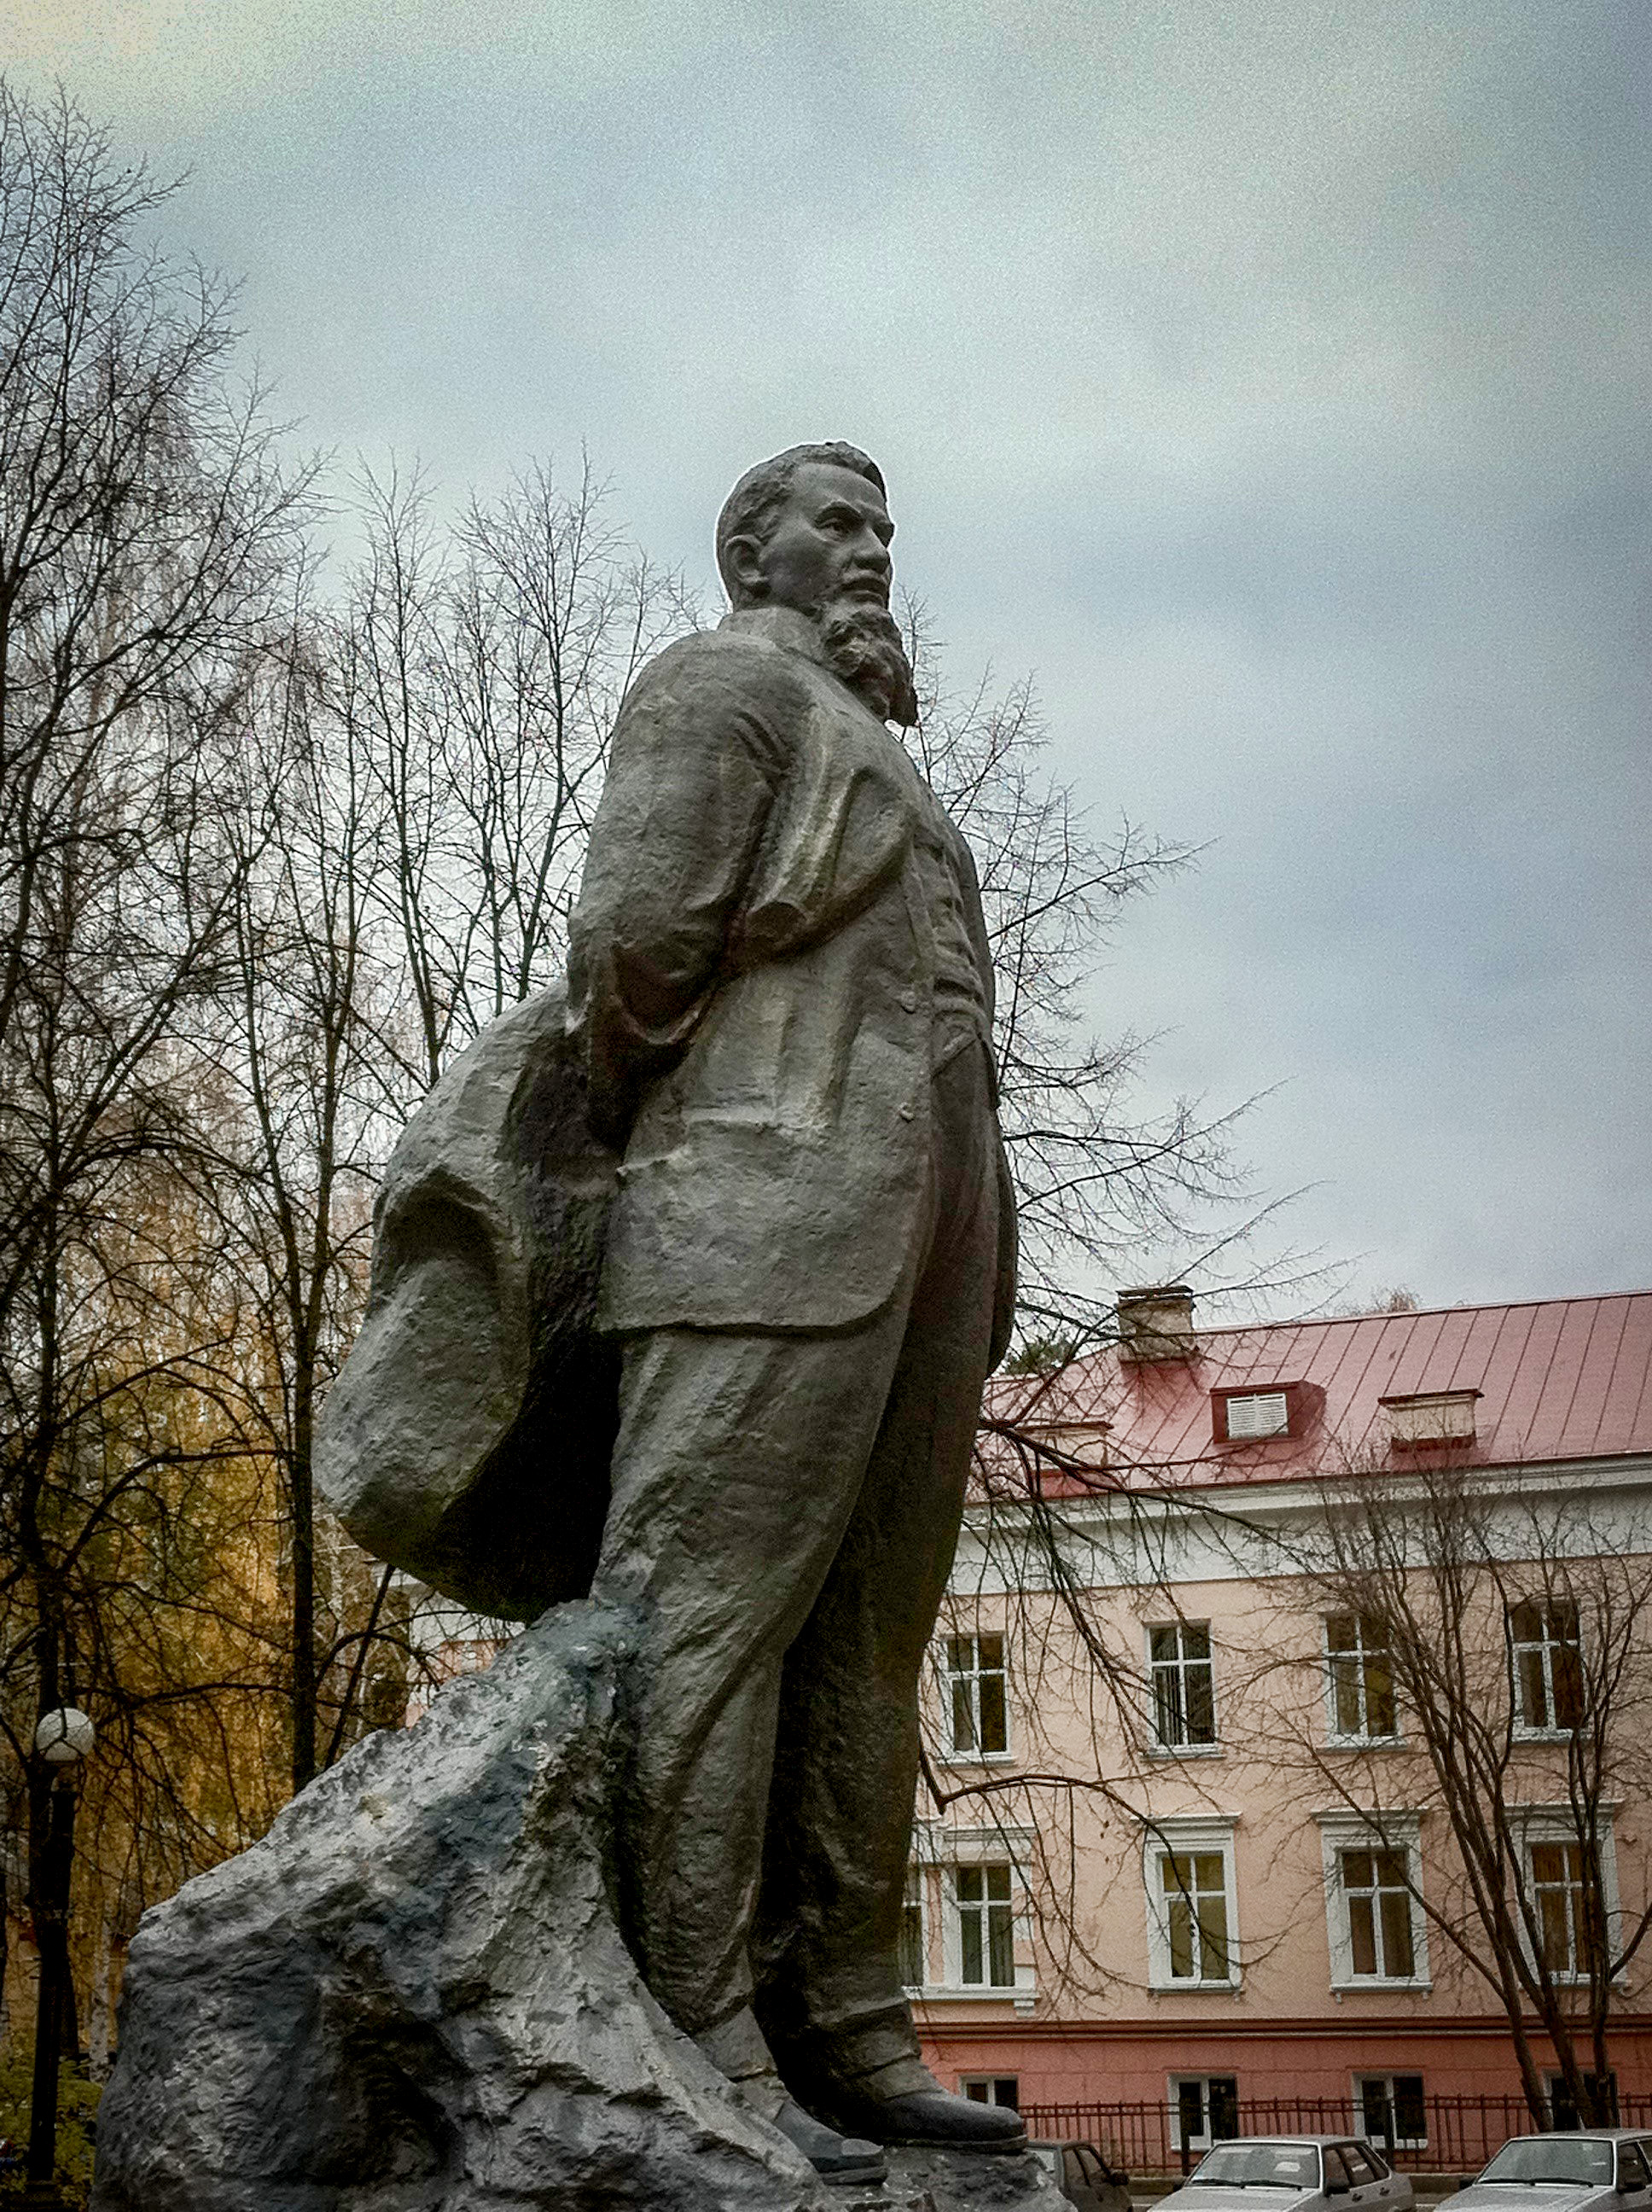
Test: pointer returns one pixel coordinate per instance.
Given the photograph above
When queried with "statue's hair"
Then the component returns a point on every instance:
(750, 508)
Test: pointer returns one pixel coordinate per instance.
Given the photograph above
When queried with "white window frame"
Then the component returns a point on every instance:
(949, 1849)
(989, 2082)
(1180, 1835)
(1357, 2104)
(958, 1906)
(1348, 1830)
(917, 1892)
(1552, 1824)
(953, 1754)
(1156, 1746)
(1336, 1737)
(1203, 2141)
(1527, 1731)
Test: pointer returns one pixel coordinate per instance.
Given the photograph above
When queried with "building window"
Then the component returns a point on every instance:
(1563, 2111)
(1184, 1703)
(992, 2089)
(1195, 1887)
(914, 1942)
(1360, 1666)
(979, 1706)
(986, 1926)
(1193, 1926)
(1548, 1665)
(1389, 2110)
(1373, 1910)
(1556, 1879)
(1251, 1413)
(1204, 2110)
(1376, 1897)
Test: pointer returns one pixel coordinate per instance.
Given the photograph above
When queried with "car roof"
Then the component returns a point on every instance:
(1292, 2143)
(1589, 2134)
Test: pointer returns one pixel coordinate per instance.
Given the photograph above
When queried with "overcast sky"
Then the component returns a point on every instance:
(1267, 380)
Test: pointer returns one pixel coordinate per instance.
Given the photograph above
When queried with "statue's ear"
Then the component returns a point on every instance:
(743, 561)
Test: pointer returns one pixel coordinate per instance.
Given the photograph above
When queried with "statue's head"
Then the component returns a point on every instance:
(810, 530)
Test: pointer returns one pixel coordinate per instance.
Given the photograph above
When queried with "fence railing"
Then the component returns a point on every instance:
(1457, 2134)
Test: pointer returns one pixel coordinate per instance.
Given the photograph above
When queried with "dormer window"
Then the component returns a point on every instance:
(1242, 1416)
(1430, 1417)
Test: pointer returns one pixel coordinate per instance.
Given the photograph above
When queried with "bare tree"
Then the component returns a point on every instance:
(305, 1070)
(1507, 1633)
(144, 530)
(482, 675)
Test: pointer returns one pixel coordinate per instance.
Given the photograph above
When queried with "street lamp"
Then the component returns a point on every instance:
(62, 1739)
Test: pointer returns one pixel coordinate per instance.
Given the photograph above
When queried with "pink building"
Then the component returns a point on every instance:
(1219, 1864)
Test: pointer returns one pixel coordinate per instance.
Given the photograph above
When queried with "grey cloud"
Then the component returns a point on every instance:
(1270, 380)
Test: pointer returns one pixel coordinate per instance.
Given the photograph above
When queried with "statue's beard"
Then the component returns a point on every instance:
(862, 644)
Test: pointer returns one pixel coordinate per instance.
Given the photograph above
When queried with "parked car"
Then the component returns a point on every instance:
(1606, 2167)
(1270, 2173)
(1084, 2176)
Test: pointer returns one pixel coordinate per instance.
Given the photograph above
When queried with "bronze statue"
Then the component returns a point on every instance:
(791, 1210)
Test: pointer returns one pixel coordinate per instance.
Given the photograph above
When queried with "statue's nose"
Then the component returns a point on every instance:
(871, 556)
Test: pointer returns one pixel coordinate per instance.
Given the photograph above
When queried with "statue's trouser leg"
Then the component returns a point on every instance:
(846, 1767)
(740, 1467)
(737, 1468)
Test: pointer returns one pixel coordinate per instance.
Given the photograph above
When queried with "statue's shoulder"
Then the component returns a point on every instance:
(737, 664)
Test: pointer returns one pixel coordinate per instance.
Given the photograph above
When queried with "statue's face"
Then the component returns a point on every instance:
(829, 544)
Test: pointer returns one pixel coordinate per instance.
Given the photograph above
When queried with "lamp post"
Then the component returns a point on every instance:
(63, 1739)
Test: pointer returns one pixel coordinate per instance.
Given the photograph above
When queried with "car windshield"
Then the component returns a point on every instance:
(1260, 2165)
(1577, 2160)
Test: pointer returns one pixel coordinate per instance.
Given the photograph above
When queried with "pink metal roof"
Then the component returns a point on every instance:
(1558, 1379)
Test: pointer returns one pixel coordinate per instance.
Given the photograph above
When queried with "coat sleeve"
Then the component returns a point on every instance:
(698, 753)
(1009, 1241)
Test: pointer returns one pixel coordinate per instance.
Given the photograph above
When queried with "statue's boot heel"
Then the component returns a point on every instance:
(843, 2161)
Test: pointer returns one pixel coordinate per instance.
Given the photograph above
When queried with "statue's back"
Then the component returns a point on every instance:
(467, 1438)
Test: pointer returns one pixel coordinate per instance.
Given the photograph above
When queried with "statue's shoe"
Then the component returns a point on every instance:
(931, 2119)
(843, 2161)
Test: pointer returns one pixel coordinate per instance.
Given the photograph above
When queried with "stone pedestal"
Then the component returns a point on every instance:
(412, 1996)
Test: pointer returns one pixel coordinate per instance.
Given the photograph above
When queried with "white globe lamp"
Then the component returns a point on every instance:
(64, 1735)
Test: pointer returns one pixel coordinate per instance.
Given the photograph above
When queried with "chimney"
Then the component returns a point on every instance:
(1156, 1323)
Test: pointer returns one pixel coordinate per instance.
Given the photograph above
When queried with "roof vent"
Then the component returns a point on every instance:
(1157, 1322)
(1430, 1417)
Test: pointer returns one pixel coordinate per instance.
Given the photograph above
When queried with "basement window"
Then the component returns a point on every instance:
(1431, 1417)
(1250, 1413)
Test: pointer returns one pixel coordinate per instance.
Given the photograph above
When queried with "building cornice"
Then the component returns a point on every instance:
(1224, 2026)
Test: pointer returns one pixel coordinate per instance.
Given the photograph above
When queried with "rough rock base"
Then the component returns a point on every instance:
(412, 1996)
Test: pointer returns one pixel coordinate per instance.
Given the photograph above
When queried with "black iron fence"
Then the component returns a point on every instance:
(1445, 2134)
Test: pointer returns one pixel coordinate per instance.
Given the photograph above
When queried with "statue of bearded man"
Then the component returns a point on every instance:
(781, 990)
